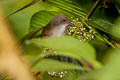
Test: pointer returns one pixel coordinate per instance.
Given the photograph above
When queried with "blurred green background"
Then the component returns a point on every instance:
(20, 21)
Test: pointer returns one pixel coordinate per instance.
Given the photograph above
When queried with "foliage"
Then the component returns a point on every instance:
(94, 57)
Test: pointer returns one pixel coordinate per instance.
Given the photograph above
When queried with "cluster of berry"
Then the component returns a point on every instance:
(60, 74)
(80, 30)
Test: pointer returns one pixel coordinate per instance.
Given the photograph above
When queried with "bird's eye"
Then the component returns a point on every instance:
(64, 20)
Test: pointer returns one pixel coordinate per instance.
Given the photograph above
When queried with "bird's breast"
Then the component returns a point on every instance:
(59, 30)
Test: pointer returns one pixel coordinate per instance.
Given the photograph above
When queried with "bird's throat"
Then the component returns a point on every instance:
(58, 30)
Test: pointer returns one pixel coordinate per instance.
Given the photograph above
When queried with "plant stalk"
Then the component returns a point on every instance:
(92, 9)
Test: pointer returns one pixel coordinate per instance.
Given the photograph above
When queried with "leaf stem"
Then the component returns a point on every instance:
(109, 43)
(101, 37)
(92, 9)
(88, 15)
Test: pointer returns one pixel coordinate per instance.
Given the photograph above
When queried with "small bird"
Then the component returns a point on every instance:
(56, 27)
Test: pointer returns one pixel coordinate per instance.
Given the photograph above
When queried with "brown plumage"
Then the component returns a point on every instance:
(56, 27)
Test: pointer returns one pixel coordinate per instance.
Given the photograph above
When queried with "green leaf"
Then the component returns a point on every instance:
(53, 65)
(20, 21)
(112, 68)
(110, 55)
(68, 76)
(105, 26)
(110, 71)
(25, 6)
(41, 19)
(100, 47)
(68, 46)
(32, 53)
(11, 6)
(68, 6)
(118, 6)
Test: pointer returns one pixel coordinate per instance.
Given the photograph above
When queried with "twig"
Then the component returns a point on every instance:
(92, 9)
(30, 35)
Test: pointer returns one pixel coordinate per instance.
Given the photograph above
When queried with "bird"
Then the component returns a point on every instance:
(56, 27)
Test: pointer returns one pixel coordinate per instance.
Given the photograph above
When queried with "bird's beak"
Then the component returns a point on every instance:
(70, 24)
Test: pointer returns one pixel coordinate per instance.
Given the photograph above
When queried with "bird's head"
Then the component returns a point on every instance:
(60, 20)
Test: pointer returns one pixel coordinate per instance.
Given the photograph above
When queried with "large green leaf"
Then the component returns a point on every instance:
(32, 53)
(69, 6)
(112, 67)
(41, 19)
(110, 71)
(24, 7)
(20, 21)
(11, 6)
(68, 46)
(53, 65)
(68, 76)
(105, 26)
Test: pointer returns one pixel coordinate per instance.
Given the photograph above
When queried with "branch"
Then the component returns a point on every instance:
(92, 9)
